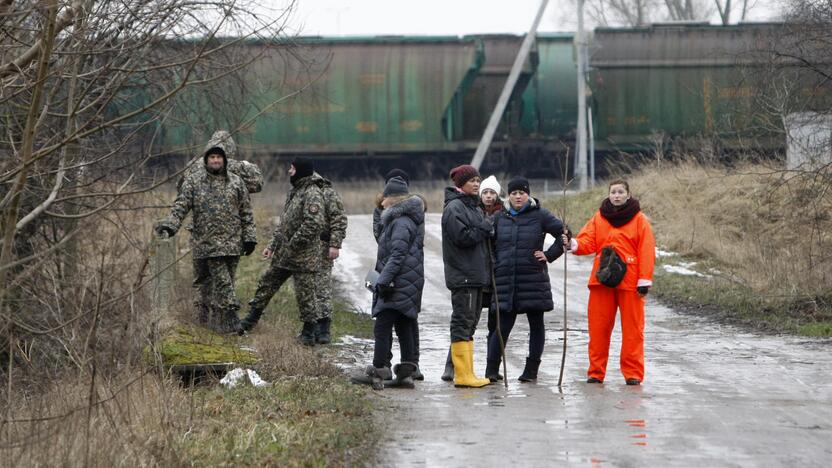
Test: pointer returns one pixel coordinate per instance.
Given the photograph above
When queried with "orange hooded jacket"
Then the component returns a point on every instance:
(633, 242)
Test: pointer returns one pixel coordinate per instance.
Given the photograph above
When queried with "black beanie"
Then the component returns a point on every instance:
(519, 183)
(303, 168)
(214, 150)
(397, 173)
(395, 186)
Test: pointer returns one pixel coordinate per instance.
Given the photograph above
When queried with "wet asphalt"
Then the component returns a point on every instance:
(713, 395)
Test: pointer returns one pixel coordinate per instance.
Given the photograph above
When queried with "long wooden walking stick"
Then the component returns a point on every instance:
(497, 315)
(563, 356)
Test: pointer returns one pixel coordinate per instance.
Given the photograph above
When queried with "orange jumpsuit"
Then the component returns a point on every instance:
(635, 244)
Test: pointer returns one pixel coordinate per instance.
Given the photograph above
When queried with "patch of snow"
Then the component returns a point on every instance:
(349, 340)
(664, 253)
(684, 268)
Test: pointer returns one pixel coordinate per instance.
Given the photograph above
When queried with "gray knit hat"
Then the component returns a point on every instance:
(395, 186)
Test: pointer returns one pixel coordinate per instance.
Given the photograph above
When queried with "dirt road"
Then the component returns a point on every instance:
(712, 396)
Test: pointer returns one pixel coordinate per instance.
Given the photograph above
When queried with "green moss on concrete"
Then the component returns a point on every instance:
(189, 345)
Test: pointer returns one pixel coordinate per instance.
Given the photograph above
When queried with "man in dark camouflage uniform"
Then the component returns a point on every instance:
(296, 250)
(223, 228)
(334, 236)
(248, 172)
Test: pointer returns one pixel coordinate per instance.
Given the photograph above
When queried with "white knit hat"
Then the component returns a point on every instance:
(490, 182)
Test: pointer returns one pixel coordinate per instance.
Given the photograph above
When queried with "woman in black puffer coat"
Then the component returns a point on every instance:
(398, 296)
(521, 273)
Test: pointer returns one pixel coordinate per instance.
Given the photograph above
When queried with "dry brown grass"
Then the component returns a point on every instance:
(771, 229)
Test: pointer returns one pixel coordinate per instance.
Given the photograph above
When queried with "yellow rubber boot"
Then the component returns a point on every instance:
(462, 353)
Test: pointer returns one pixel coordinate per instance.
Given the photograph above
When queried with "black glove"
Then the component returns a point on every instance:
(643, 290)
(385, 290)
(248, 247)
(568, 233)
(164, 232)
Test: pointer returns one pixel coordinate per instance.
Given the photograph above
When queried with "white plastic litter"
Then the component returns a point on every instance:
(238, 375)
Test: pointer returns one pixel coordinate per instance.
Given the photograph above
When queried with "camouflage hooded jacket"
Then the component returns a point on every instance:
(222, 215)
(334, 207)
(297, 240)
(247, 171)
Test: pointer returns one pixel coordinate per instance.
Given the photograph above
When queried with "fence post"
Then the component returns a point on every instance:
(163, 271)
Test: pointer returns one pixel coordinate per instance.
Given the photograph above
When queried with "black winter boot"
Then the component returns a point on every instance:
(404, 376)
(307, 334)
(448, 375)
(492, 370)
(417, 374)
(323, 334)
(372, 376)
(250, 320)
(530, 371)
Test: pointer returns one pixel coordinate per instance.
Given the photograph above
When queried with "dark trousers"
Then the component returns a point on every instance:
(386, 321)
(467, 307)
(537, 334)
(415, 344)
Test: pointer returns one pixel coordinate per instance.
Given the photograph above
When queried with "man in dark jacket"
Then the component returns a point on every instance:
(296, 251)
(465, 232)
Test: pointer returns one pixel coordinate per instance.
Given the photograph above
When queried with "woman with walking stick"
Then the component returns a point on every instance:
(620, 237)
(522, 278)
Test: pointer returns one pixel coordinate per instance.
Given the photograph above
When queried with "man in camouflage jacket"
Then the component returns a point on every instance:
(250, 173)
(223, 228)
(296, 250)
(334, 236)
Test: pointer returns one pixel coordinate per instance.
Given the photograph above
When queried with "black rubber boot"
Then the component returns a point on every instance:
(530, 371)
(250, 320)
(448, 375)
(307, 334)
(492, 370)
(633, 382)
(323, 335)
(404, 376)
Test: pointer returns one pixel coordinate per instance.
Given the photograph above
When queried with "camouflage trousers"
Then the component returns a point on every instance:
(310, 290)
(214, 282)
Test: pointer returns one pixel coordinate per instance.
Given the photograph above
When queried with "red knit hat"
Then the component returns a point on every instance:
(463, 173)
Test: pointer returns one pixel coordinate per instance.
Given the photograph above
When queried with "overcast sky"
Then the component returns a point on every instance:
(436, 17)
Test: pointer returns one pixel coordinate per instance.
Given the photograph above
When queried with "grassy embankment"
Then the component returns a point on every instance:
(760, 238)
(130, 415)
(310, 415)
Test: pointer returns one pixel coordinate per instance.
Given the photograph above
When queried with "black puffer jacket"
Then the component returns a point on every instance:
(522, 281)
(400, 258)
(465, 234)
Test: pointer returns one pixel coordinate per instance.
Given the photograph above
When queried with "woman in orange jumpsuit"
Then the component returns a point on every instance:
(619, 223)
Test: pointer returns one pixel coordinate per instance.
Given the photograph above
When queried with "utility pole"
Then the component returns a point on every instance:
(502, 102)
(580, 154)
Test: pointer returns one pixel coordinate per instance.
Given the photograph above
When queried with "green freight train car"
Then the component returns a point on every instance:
(364, 100)
(675, 83)
(366, 104)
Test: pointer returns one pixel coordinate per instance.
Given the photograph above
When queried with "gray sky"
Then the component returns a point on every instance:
(435, 17)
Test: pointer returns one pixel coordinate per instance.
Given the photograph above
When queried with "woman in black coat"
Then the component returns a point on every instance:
(521, 273)
(397, 299)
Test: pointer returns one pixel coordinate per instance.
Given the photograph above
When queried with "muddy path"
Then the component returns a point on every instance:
(713, 395)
